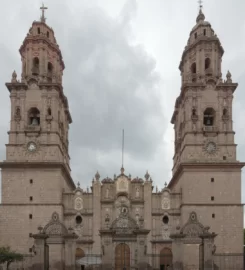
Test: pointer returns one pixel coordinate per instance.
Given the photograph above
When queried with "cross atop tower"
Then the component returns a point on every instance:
(43, 19)
(200, 2)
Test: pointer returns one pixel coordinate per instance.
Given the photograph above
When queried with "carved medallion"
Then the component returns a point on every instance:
(78, 204)
(165, 203)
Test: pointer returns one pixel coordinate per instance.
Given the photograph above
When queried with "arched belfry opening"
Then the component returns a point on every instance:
(50, 71)
(207, 63)
(194, 68)
(209, 117)
(34, 117)
(35, 66)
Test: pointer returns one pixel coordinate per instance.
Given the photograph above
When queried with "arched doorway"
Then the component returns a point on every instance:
(122, 257)
(166, 259)
(79, 255)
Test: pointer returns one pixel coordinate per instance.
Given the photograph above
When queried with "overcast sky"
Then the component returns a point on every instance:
(122, 59)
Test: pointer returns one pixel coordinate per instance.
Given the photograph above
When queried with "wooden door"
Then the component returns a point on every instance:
(166, 259)
(122, 257)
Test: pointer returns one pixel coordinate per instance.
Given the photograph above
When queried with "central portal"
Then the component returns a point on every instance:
(122, 257)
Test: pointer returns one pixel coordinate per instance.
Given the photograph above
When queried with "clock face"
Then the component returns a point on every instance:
(211, 147)
(32, 147)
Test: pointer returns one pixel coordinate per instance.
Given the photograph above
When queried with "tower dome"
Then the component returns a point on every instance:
(40, 54)
(203, 53)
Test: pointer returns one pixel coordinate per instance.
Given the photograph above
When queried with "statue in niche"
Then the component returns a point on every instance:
(107, 193)
(137, 193)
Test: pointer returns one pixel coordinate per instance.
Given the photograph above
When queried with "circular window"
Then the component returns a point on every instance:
(165, 219)
(79, 219)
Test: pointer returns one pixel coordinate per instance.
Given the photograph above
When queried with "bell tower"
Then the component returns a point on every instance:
(37, 148)
(206, 170)
(203, 111)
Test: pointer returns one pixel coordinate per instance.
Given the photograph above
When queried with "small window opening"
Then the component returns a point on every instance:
(31, 198)
(31, 181)
(49, 112)
(165, 220)
(30, 216)
(212, 198)
(224, 157)
(79, 219)
(34, 117)
(38, 31)
(30, 234)
(213, 215)
(194, 113)
(30, 250)
(208, 118)
(207, 63)
(35, 66)
(212, 179)
(47, 34)
(194, 68)
(204, 32)
(195, 35)
(225, 112)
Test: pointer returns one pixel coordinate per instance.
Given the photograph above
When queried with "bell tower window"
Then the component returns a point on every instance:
(38, 30)
(34, 117)
(208, 117)
(50, 70)
(35, 66)
(194, 68)
(49, 112)
(207, 63)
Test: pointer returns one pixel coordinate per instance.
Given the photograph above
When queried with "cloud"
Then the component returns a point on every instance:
(111, 85)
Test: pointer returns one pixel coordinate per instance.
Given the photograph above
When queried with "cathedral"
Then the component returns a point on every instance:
(195, 222)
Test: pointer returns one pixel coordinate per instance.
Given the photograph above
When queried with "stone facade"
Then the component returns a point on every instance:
(122, 222)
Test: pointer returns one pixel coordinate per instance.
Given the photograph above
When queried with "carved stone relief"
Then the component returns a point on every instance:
(78, 205)
(165, 203)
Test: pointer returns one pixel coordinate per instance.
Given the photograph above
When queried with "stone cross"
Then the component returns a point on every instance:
(43, 19)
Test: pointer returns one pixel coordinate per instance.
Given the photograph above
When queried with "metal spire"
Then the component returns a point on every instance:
(43, 19)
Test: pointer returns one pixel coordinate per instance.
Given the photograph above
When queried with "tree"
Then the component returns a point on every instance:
(8, 256)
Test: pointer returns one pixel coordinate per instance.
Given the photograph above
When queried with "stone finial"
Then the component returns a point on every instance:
(165, 184)
(129, 176)
(156, 189)
(122, 170)
(200, 17)
(14, 77)
(228, 76)
(40, 228)
(147, 176)
(115, 177)
(97, 176)
(78, 184)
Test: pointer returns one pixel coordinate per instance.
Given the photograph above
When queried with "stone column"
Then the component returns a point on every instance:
(70, 251)
(40, 259)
